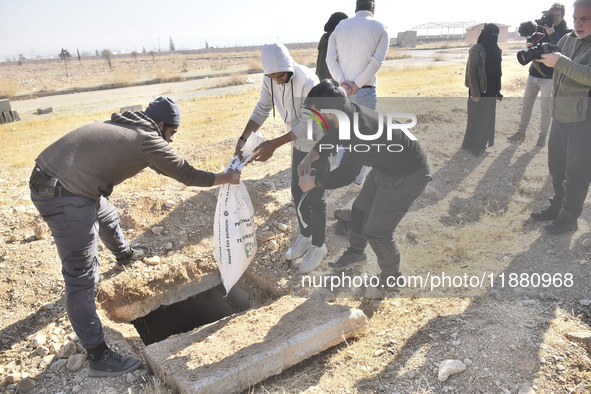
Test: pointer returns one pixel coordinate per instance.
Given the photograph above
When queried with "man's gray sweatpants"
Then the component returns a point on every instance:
(377, 210)
(76, 223)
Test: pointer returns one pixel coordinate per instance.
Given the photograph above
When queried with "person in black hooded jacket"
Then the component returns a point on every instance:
(331, 24)
(483, 79)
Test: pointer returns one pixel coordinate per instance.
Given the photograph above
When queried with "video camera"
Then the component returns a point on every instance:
(537, 36)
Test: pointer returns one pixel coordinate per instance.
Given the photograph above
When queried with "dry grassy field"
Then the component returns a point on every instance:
(473, 219)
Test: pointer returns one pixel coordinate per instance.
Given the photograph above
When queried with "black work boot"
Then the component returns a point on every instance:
(542, 215)
(348, 259)
(112, 364)
(517, 137)
(564, 223)
(541, 141)
(134, 254)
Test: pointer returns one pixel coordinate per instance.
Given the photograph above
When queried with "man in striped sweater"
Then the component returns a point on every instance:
(356, 51)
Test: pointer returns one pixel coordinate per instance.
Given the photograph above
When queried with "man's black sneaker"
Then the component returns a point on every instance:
(549, 213)
(561, 226)
(134, 254)
(541, 141)
(112, 364)
(348, 259)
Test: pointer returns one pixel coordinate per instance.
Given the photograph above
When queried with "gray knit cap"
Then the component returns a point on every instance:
(164, 109)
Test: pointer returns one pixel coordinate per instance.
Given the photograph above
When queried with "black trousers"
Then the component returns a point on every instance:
(569, 162)
(378, 209)
(312, 217)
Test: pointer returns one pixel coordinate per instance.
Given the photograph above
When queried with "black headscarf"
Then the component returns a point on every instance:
(489, 38)
(333, 21)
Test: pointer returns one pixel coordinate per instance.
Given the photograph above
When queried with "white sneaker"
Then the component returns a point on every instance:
(298, 247)
(313, 258)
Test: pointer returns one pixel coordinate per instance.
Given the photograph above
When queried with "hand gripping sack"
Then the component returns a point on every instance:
(234, 228)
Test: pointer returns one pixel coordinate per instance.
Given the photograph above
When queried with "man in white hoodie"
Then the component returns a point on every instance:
(285, 86)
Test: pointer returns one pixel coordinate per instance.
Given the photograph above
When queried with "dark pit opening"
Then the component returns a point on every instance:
(195, 311)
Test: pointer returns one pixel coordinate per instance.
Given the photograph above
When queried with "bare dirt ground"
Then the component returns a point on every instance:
(473, 219)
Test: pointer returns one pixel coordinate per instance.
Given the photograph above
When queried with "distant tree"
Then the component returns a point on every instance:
(206, 45)
(96, 52)
(79, 58)
(107, 55)
(143, 49)
(134, 55)
(21, 59)
(65, 56)
(171, 45)
(151, 53)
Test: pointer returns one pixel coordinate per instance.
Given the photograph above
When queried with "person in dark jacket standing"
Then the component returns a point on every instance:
(483, 79)
(399, 174)
(539, 80)
(331, 24)
(69, 186)
(569, 143)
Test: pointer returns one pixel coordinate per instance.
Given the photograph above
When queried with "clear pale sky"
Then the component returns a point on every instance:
(43, 27)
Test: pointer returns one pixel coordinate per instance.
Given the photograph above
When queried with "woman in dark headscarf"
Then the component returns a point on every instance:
(483, 79)
(321, 67)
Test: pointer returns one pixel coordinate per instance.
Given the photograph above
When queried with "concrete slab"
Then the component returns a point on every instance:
(5, 105)
(130, 312)
(234, 353)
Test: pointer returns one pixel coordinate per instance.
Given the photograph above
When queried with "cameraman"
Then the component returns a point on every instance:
(540, 79)
(569, 144)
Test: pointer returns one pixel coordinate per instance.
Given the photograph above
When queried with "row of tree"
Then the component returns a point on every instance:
(107, 54)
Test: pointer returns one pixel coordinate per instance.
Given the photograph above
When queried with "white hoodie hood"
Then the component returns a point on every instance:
(275, 58)
(288, 97)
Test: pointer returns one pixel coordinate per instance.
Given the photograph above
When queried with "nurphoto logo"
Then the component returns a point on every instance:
(391, 120)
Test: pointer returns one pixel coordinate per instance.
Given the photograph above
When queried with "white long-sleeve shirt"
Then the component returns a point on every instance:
(357, 49)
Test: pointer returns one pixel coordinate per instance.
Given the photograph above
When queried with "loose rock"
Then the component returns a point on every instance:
(450, 367)
(75, 362)
(154, 260)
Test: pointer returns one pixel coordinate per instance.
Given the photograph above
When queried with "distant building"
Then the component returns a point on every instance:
(473, 32)
(442, 31)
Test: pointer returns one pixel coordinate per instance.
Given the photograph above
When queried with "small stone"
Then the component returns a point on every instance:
(449, 367)
(38, 340)
(68, 349)
(58, 366)
(26, 385)
(47, 307)
(46, 361)
(40, 232)
(13, 238)
(157, 230)
(586, 243)
(154, 260)
(183, 237)
(379, 352)
(264, 236)
(456, 343)
(170, 204)
(75, 362)
(585, 302)
(130, 378)
(77, 389)
(168, 246)
(42, 351)
(282, 227)
(272, 245)
(12, 378)
(467, 361)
